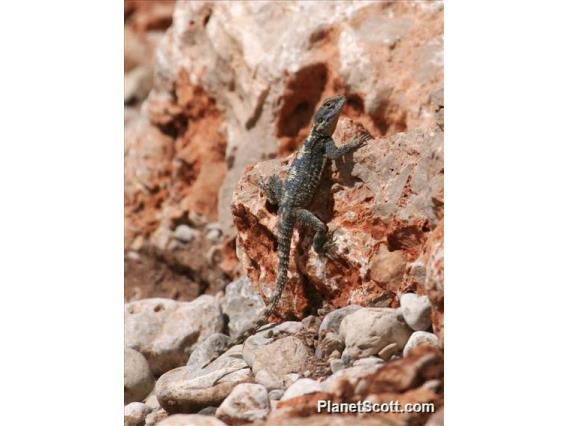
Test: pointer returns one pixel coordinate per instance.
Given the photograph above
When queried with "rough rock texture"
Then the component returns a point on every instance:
(242, 304)
(301, 387)
(135, 413)
(418, 338)
(138, 379)
(274, 362)
(387, 196)
(248, 402)
(189, 390)
(332, 320)
(372, 331)
(191, 420)
(166, 331)
(416, 310)
(426, 276)
(238, 82)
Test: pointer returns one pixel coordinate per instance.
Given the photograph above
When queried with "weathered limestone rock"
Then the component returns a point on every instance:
(385, 197)
(417, 311)
(135, 413)
(138, 379)
(418, 338)
(242, 304)
(166, 331)
(248, 402)
(188, 390)
(371, 331)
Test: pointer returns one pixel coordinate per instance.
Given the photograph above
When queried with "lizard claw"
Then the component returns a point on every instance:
(329, 247)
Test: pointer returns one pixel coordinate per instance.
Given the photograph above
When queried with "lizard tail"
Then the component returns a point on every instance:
(285, 231)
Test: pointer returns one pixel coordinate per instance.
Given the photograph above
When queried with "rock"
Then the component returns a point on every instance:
(137, 84)
(352, 374)
(372, 360)
(266, 336)
(242, 304)
(248, 402)
(138, 379)
(332, 321)
(330, 343)
(419, 338)
(152, 402)
(336, 365)
(387, 267)
(185, 233)
(166, 331)
(275, 394)
(135, 413)
(397, 191)
(417, 311)
(191, 420)
(311, 323)
(208, 350)
(207, 411)
(188, 391)
(426, 275)
(302, 387)
(279, 358)
(370, 330)
(156, 417)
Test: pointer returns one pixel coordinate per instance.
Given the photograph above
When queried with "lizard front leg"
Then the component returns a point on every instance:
(333, 152)
(273, 189)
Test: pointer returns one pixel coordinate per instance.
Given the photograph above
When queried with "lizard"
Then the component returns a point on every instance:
(294, 195)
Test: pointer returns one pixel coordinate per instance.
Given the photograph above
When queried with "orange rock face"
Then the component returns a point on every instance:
(381, 203)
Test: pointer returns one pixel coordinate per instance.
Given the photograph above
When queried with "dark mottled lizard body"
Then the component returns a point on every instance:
(294, 195)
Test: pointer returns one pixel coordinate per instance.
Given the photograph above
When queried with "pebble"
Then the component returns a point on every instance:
(135, 413)
(275, 394)
(330, 343)
(418, 338)
(166, 331)
(248, 402)
(301, 387)
(372, 331)
(138, 379)
(332, 321)
(417, 311)
(336, 365)
(242, 304)
(191, 420)
(185, 233)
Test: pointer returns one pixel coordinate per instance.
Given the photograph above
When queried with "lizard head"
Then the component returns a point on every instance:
(326, 118)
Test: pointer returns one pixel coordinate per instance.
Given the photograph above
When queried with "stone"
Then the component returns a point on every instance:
(332, 321)
(370, 330)
(190, 390)
(330, 343)
(208, 350)
(191, 420)
(242, 304)
(419, 338)
(138, 379)
(336, 365)
(278, 359)
(156, 417)
(135, 413)
(267, 335)
(397, 191)
(248, 402)
(275, 394)
(417, 311)
(333, 383)
(301, 387)
(137, 84)
(372, 360)
(185, 233)
(387, 267)
(311, 323)
(166, 331)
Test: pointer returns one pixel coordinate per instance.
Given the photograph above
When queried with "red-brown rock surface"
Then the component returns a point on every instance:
(235, 83)
(382, 204)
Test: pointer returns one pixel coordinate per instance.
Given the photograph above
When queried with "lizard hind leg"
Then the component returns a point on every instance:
(273, 189)
(321, 238)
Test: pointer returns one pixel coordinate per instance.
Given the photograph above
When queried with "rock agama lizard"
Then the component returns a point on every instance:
(294, 195)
